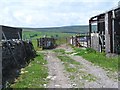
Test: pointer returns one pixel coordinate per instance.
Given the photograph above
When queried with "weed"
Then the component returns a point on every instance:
(72, 77)
(89, 77)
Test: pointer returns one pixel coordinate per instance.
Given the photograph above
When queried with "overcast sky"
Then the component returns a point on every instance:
(50, 13)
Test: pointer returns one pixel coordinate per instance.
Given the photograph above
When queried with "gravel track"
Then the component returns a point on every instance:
(57, 76)
(103, 80)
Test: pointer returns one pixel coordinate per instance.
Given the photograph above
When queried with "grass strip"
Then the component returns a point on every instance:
(98, 58)
(73, 67)
(61, 51)
(34, 75)
(68, 60)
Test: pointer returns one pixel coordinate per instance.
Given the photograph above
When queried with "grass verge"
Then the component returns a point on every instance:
(34, 75)
(98, 58)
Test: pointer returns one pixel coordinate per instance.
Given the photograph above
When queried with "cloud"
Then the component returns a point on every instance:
(45, 13)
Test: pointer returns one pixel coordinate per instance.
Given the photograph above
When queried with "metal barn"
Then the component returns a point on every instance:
(106, 36)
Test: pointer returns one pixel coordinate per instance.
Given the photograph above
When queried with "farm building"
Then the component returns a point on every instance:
(46, 43)
(106, 37)
(15, 52)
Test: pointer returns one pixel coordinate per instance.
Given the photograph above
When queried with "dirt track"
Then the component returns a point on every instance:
(59, 77)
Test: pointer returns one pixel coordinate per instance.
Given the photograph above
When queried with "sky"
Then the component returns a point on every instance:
(51, 13)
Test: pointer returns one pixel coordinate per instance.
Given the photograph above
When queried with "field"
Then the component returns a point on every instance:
(67, 29)
(38, 34)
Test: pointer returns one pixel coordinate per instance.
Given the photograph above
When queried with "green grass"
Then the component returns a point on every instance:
(69, 69)
(27, 34)
(89, 77)
(68, 60)
(72, 77)
(98, 58)
(34, 75)
(61, 51)
(61, 40)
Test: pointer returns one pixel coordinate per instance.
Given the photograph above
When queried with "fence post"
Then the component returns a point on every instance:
(0, 57)
(90, 30)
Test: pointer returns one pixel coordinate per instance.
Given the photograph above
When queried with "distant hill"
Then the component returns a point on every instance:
(65, 29)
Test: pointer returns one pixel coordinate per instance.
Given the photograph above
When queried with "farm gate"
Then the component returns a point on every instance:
(80, 40)
(46, 43)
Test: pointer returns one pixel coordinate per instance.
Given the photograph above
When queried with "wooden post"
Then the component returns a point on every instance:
(113, 31)
(107, 35)
(37, 43)
(0, 57)
(90, 30)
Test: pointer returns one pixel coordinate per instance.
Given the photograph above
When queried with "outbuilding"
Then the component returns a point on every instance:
(106, 37)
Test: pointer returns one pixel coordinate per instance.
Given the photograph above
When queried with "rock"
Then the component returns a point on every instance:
(22, 72)
(26, 71)
(49, 77)
(74, 84)
(53, 78)
(45, 85)
(57, 85)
